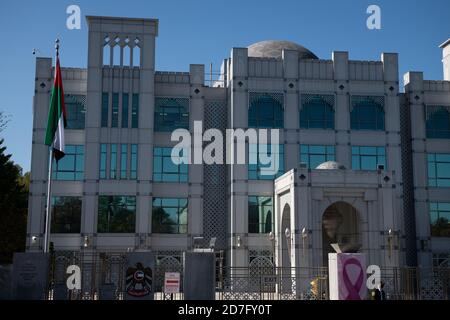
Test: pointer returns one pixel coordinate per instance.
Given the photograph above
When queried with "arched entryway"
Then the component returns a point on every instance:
(341, 225)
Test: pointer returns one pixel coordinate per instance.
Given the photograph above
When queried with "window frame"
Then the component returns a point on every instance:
(304, 122)
(78, 174)
(182, 208)
(131, 227)
(361, 155)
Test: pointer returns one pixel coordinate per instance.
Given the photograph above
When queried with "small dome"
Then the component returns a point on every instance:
(330, 165)
(274, 48)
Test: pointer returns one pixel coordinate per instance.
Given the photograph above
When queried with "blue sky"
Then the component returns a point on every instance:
(204, 31)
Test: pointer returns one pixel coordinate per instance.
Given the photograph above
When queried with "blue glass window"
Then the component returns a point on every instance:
(71, 166)
(133, 165)
(367, 113)
(265, 110)
(115, 110)
(171, 114)
(66, 214)
(135, 110)
(103, 159)
(75, 110)
(317, 111)
(165, 170)
(123, 161)
(113, 162)
(170, 215)
(105, 107)
(440, 219)
(260, 214)
(116, 214)
(368, 158)
(125, 110)
(254, 169)
(438, 122)
(438, 169)
(313, 155)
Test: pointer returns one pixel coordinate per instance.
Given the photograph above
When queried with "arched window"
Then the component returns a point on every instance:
(116, 52)
(265, 110)
(126, 54)
(367, 113)
(317, 111)
(106, 52)
(136, 53)
(438, 122)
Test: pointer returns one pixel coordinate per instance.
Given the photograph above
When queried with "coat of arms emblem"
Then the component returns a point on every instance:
(139, 280)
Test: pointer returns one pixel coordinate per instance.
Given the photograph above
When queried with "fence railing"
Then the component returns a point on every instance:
(103, 277)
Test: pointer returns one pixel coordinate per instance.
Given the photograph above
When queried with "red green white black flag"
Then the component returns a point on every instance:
(54, 136)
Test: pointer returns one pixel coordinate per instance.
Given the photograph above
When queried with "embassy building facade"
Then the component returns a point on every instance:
(361, 164)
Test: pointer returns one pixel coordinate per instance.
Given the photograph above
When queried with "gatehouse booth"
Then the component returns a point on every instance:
(331, 204)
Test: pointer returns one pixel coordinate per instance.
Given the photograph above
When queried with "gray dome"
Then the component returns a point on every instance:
(330, 165)
(273, 49)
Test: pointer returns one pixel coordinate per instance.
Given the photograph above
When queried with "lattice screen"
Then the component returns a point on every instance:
(356, 100)
(308, 98)
(214, 184)
(277, 96)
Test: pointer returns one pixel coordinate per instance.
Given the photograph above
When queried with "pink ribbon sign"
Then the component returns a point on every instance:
(353, 289)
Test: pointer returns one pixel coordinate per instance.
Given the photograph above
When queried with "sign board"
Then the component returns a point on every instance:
(30, 275)
(139, 275)
(199, 281)
(347, 276)
(172, 282)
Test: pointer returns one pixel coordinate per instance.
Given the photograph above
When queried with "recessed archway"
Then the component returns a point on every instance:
(285, 249)
(341, 225)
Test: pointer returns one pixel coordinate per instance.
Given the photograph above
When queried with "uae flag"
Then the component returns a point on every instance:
(56, 122)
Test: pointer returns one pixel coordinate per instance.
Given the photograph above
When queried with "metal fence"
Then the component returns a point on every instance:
(103, 277)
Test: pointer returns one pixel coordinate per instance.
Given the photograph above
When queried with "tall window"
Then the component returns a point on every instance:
(116, 214)
(171, 114)
(368, 158)
(103, 159)
(255, 171)
(123, 161)
(260, 214)
(169, 215)
(133, 162)
(71, 166)
(440, 219)
(165, 170)
(317, 111)
(438, 169)
(127, 160)
(115, 110)
(125, 110)
(313, 155)
(438, 122)
(75, 110)
(66, 214)
(113, 162)
(105, 107)
(367, 113)
(265, 110)
(135, 110)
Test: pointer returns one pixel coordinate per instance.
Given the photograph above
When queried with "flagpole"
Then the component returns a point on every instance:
(49, 182)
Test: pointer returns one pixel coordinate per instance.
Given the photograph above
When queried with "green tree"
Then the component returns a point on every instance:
(13, 206)
(4, 119)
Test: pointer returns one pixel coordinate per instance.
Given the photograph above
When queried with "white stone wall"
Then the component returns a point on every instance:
(339, 77)
(419, 93)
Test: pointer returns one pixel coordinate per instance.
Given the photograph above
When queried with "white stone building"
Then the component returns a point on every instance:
(354, 154)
